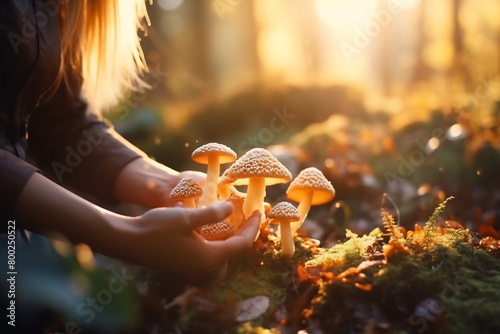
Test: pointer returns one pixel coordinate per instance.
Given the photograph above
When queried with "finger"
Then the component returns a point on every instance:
(251, 225)
(243, 240)
(198, 177)
(210, 214)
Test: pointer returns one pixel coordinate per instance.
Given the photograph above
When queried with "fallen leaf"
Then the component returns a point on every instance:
(486, 230)
(364, 287)
(302, 274)
(454, 225)
(490, 244)
(251, 308)
(183, 300)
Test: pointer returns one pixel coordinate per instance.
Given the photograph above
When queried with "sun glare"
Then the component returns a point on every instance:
(345, 15)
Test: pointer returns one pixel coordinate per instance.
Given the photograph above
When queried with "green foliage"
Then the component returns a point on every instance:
(250, 282)
(432, 222)
(455, 287)
(347, 254)
(450, 287)
(392, 228)
(262, 272)
(433, 219)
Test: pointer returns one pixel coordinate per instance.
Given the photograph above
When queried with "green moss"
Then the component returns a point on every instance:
(262, 272)
(441, 285)
(459, 285)
(432, 223)
(348, 254)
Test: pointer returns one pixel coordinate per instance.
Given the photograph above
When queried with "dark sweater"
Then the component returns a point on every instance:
(48, 122)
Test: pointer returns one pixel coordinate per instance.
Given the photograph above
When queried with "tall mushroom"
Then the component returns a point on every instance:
(212, 155)
(186, 191)
(310, 187)
(283, 213)
(258, 168)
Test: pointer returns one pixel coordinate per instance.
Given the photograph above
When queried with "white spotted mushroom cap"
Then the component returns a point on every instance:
(283, 211)
(225, 154)
(217, 231)
(258, 162)
(311, 179)
(186, 188)
(225, 180)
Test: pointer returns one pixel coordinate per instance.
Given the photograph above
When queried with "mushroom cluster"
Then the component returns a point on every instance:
(256, 169)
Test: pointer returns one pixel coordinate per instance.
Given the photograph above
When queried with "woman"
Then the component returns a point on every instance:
(62, 62)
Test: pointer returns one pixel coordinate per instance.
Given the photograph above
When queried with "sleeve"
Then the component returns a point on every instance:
(14, 173)
(76, 148)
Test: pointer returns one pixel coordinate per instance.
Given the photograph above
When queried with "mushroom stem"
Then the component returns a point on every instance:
(189, 203)
(224, 192)
(209, 195)
(303, 209)
(287, 245)
(235, 219)
(255, 196)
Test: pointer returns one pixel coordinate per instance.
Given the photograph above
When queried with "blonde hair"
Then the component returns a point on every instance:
(99, 39)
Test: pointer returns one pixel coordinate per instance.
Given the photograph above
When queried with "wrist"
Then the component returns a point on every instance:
(132, 240)
(120, 230)
(145, 182)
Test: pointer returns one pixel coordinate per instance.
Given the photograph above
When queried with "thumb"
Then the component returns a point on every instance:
(210, 214)
(243, 239)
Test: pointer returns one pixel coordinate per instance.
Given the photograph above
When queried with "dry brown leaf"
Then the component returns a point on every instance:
(486, 230)
(454, 225)
(490, 244)
(302, 273)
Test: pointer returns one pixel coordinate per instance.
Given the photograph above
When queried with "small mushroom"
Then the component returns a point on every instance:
(310, 187)
(283, 213)
(212, 155)
(258, 168)
(217, 231)
(236, 218)
(187, 191)
(223, 186)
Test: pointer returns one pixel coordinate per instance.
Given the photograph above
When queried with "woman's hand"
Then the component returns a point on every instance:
(161, 238)
(146, 182)
(165, 239)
